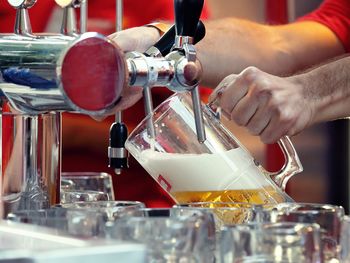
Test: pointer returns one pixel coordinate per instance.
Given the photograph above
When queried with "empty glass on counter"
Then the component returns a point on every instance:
(345, 240)
(219, 169)
(270, 243)
(170, 235)
(328, 217)
(82, 181)
(78, 223)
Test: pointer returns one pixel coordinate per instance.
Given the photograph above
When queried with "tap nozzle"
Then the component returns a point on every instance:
(117, 154)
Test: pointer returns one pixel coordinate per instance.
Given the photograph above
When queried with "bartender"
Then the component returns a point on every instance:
(231, 45)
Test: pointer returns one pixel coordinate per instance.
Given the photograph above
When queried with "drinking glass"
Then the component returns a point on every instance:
(219, 169)
(73, 196)
(112, 209)
(329, 217)
(168, 235)
(225, 213)
(270, 243)
(345, 240)
(82, 181)
(82, 224)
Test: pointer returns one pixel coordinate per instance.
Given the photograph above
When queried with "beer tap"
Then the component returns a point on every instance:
(118, 132)
(69, 21)
(156, 67)
(41, 76)
(179, 70)
(187, 15)
(166, 42)
(22, 23)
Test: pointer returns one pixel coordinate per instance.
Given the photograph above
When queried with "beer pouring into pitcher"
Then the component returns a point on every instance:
(192, 155)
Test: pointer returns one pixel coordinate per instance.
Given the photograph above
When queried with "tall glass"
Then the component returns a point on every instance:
(220, 169)
(30, 160)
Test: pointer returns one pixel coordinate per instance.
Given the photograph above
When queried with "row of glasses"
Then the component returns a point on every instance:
(292, 216)
(171, 235)
(201, 232)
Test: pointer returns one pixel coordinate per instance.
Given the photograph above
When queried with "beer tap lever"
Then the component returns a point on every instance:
(187, 13)
(166, 42)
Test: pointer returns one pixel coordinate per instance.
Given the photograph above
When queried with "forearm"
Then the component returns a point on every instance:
(231, 45)
(327, 88)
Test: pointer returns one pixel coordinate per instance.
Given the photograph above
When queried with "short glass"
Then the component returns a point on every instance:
(82, 181)
(270, 243)
(328, 217)
(169, 235)
(82, 224)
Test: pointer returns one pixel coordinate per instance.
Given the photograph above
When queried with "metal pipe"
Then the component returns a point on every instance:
(83, 16)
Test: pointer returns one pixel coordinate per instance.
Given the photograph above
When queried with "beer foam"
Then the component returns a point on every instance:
(230, 170)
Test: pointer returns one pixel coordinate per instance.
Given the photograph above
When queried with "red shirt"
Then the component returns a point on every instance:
(335, 14)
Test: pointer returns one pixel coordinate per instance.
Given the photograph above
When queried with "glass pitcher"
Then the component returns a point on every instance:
(218, 170)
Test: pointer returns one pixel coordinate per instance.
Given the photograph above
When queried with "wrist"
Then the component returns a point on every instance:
(160, 27)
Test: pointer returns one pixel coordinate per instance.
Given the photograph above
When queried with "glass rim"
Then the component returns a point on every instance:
(230, 205)
(84, 175)
(124, 203)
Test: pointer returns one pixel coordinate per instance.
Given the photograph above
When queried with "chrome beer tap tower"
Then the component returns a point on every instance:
(43, 75)
(172, 63)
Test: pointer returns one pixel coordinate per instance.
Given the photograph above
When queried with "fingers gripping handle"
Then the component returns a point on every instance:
(292, 163)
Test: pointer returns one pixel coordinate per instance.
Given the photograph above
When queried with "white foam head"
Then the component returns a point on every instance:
(230, 170)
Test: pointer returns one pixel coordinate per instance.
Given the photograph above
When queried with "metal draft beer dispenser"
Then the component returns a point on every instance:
(41, 76)
(172, 63)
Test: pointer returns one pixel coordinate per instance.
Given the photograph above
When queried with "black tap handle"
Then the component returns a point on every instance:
(166, 42)
(187, 13)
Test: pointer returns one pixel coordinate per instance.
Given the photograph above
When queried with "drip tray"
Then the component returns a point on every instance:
(28, 243)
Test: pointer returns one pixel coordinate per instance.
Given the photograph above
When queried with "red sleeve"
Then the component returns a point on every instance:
(335, 14)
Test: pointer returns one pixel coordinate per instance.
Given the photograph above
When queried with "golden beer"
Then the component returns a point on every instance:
(230, 206)
(266, 195)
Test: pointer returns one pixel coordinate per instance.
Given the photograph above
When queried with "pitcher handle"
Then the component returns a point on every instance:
(291, 166)
(292, 163)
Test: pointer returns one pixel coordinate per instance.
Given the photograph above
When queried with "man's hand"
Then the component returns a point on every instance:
(136, 38)
(266, 105)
